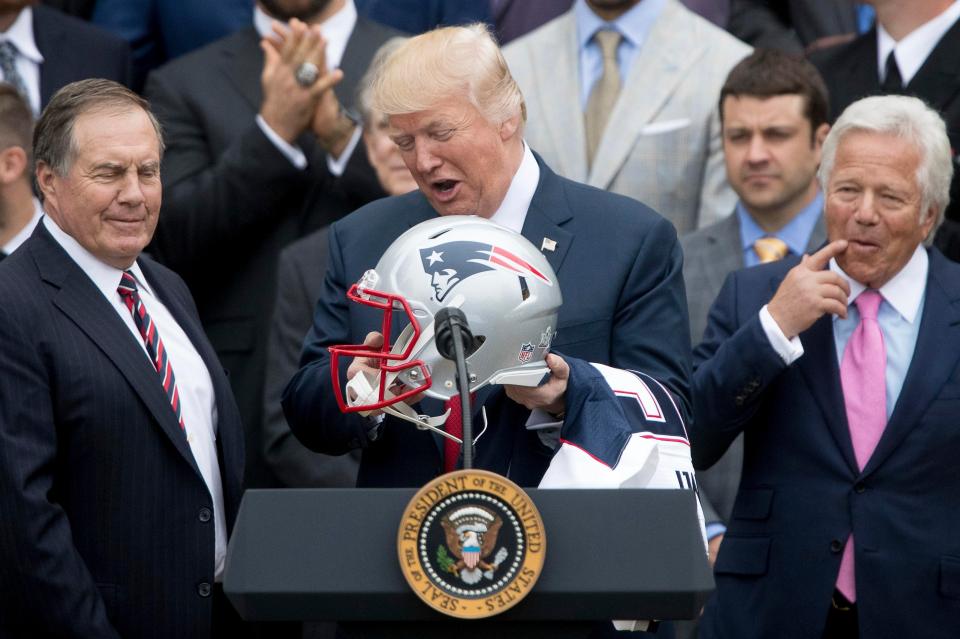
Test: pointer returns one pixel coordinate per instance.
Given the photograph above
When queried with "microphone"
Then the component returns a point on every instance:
(444, 322)
(455, 342)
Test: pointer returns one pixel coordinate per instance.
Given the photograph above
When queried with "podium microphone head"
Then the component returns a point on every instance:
(443, 322)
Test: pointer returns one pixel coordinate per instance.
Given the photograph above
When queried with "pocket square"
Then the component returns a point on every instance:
(655, 128)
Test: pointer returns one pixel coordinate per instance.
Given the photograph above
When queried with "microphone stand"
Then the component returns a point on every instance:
(453, 331)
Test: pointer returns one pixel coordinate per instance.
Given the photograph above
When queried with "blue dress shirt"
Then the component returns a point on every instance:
(634, 26)
(795, 234)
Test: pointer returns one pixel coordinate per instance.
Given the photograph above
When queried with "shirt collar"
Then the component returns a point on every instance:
(634, 25)
(105, 277)
(336, 29)
(25, 232)
(20, 34)
(513, 210)
(795, 233)
(902, 291)
(914, 48)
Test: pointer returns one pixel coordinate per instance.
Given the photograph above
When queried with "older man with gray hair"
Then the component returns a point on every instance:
(841, 369)
(457, 116)
(121, 449)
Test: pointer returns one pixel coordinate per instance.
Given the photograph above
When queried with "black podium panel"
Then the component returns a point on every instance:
(331, 554)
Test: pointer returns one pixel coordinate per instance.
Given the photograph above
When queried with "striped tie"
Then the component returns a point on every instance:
(151, 338)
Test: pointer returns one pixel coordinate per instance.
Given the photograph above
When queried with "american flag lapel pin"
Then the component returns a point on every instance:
(548, 245)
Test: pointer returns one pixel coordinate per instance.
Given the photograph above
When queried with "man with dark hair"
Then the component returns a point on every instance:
(19, 210)
(773, 113)
(121, 449)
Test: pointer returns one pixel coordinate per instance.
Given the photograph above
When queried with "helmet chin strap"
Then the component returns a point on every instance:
(365, 392)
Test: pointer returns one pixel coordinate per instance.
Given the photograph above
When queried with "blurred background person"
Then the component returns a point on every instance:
(19, 209)
(622, 96)
(257, 158)
(300, 274)
(161, 30)
(798, 26)
(42, 50)
(773, 112)
(914, 49)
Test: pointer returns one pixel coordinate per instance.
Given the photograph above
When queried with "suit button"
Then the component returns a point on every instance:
(204, 515)
(836, 546)
(203, 589)
(859, 487)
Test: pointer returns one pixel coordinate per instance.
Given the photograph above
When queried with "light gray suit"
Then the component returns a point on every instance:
(662, 142)
(709, 255)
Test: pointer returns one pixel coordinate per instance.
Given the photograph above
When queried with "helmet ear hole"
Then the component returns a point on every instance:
(478, 341)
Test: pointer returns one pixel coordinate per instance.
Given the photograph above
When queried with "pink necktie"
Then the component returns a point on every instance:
(864, 394)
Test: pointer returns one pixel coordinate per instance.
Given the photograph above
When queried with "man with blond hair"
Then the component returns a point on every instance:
(457, 116)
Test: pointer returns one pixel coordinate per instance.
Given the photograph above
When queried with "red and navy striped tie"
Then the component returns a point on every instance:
(151, 338)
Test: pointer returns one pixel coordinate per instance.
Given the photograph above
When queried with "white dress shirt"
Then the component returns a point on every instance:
(513, 210)
(29, 59)
(914, 48)
(336, 30)
(14, 243)
(198, 406)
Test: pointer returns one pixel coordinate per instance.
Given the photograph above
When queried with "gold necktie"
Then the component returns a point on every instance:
(770, 249)
(604, 93)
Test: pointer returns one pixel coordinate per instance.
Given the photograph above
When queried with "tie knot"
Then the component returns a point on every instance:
(892, 80)
(608, 40)
(8, 50)
(128, 285)
(868, 303)
(770, 249)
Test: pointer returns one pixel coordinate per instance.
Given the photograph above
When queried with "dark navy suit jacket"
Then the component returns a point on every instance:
(74, 49)
(801, 493)
(619, 267)
(106, 521)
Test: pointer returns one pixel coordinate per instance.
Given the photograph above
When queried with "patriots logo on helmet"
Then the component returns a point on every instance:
(451, 263)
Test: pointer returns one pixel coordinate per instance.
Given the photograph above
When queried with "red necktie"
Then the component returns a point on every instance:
(151, 339)
(453, 426)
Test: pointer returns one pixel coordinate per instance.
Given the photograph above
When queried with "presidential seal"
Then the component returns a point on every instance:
(471, 544)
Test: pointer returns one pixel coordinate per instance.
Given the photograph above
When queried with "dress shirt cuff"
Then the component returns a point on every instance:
(715, 528)
(789, 350)
(338, 165)
(292, 153)
(540, 419)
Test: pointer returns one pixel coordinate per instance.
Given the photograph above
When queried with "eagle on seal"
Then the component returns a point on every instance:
(471, 535)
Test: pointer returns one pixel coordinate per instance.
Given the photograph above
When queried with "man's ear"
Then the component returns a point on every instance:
(46, 182)
(509, 127)
(13, 164)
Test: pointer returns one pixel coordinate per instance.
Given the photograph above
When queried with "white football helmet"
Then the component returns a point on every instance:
(501, 282)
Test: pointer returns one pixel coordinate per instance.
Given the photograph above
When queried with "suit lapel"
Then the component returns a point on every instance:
(931, 364)
(659, 66)
(48, 36)
(822, 373)
(818, 236)
(938, 80)
(80, 300)
(226, 437)
(859, 78)
(548, 211)
(242, 63)
(724, 254)
(563, 115)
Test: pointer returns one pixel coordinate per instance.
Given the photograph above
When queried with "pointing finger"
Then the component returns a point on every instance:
(819, 260)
